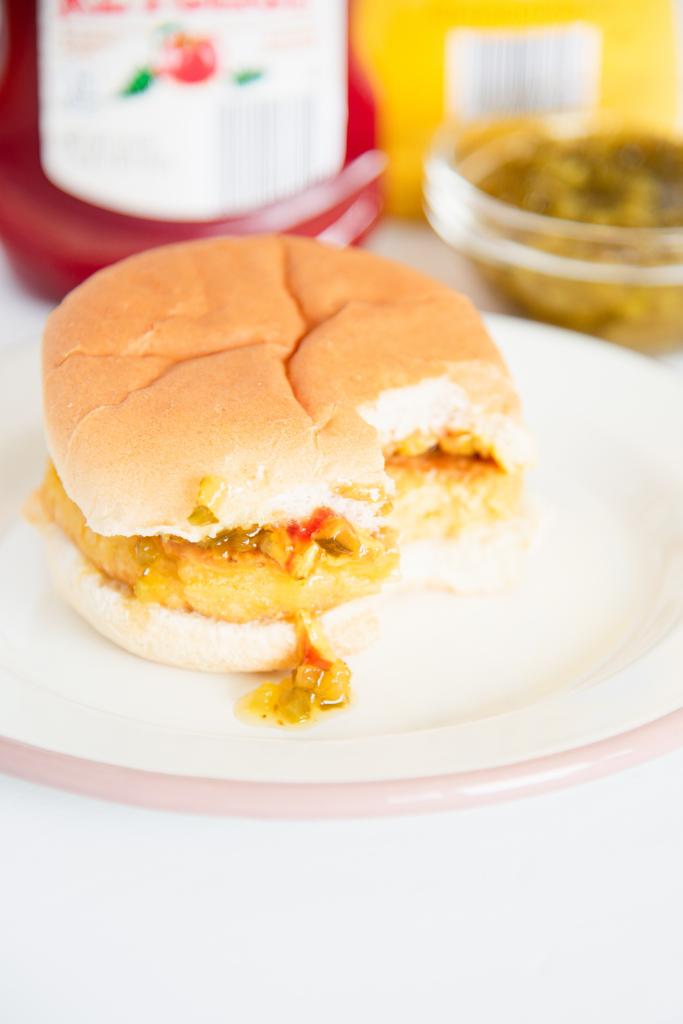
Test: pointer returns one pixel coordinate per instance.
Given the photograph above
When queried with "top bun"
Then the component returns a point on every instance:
(280, 365)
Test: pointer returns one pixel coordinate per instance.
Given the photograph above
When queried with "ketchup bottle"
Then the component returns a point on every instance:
(126, 124)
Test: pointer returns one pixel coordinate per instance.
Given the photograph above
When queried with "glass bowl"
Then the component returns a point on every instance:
(622, 283)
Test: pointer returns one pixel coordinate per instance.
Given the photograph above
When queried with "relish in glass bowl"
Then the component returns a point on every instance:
(578, 221)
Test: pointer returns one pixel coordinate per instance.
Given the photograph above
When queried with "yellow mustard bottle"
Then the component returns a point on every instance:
(463, 59)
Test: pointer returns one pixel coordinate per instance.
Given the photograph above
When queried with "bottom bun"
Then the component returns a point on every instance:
(188, 639)
(483, 559)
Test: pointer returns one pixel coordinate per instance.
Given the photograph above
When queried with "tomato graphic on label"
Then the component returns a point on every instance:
(188, 59)
(183, 58)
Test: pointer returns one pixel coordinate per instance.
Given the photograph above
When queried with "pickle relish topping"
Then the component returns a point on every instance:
(295, 547)
(211, 490)
(242, 575)
(320, 683)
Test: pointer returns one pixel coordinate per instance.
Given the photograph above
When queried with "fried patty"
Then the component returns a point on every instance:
(242, 576)
(438, 494)
(230, 578)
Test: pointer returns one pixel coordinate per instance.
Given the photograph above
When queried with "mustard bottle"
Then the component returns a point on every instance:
(464, 59)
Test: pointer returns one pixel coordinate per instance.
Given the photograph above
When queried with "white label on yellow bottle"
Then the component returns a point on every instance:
(491, 72)
(191, 109)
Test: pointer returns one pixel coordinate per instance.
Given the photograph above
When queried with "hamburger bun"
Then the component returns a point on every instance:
(279, 365)
(188, 639)
(288, 371)
(483, 560)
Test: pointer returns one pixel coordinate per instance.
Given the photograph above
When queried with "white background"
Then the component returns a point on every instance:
(562, 908)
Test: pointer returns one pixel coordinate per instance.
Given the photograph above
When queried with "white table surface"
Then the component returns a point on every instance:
(560, 909)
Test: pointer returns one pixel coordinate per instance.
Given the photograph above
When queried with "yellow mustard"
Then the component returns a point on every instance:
(432, 59)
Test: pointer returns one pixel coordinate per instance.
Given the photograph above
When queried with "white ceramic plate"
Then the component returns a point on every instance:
(462, 699)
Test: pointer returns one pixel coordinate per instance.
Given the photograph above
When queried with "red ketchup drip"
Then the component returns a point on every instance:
(310, 526)
(311, 656)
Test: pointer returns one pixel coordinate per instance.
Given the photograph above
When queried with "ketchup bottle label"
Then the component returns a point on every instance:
(191, 109)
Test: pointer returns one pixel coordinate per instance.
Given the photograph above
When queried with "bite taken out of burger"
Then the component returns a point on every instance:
(252, 439)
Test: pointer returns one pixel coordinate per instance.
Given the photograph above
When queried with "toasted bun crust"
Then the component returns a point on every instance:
(187, 639)
(280, 365)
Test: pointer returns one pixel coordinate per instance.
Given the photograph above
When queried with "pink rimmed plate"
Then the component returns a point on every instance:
(576, 673)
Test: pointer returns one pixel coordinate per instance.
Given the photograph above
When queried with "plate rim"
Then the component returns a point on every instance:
(291, 801)
(215, 796)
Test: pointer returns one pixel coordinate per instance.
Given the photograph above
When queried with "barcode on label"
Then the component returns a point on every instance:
(267, 150)
(537, 70)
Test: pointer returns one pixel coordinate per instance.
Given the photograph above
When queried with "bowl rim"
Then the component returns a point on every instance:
(440, 166)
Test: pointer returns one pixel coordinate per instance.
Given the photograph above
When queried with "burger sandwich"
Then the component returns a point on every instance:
(252, 438)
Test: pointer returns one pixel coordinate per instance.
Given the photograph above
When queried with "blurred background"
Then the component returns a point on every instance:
(537, 138)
